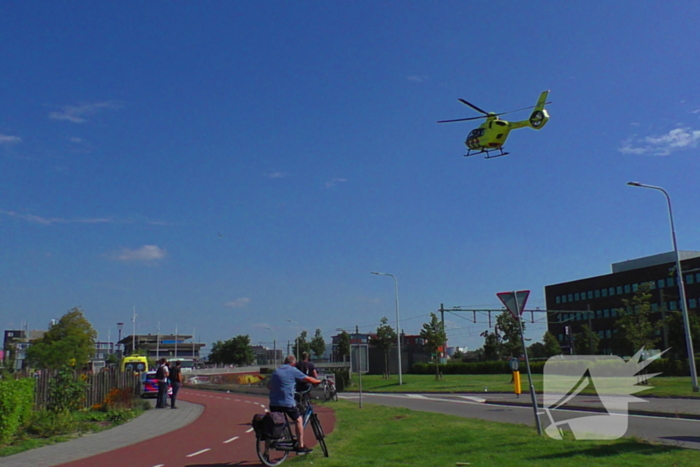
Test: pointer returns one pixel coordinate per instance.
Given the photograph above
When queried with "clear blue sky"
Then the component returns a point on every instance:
(226, 166)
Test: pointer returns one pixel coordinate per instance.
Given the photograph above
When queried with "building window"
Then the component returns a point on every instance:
(589, 294)
(692, 303)
(672, 306)
(578, 316)
(689, 279)
(635, 287)
(697, 277)
(660, 283)
(670, 282)
(618, 290)
(654, 307)
(613, 312)
(557, 299)
(599, 313)
(604, 292)
(561, 337)
(597, 293)
(606, 313)
(627, 288)
(570, 298)
(577, 297)
(652, 285)
(607, 333)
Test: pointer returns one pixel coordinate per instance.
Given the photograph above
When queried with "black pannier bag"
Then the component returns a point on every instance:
(259, 425)
(274, 423)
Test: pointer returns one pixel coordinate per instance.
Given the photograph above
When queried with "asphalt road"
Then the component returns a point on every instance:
(668, 430)
(221, 436)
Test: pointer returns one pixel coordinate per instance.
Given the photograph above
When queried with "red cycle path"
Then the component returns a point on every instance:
(221, 436)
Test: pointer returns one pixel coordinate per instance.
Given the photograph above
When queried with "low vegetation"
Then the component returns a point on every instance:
(672, 386)
(23, 428)
(379, 436)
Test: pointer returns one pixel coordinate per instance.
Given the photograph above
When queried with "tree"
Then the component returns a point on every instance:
(303, 345)
(343, 346)
(635, 327)
(586, 342)
(384, 339)
(676, 333)
(492, 346)
(508, 329)
(234, 351)
(551, 345)
(318, 345)
(536, 350)
(434, 336)
(69, 342)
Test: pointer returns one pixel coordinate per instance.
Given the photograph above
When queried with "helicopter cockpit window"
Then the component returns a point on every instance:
(476, 133)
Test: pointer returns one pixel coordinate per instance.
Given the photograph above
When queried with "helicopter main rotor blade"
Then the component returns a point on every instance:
(472, 106)
(460, 119)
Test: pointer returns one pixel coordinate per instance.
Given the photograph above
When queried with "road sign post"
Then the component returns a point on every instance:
(515, 303)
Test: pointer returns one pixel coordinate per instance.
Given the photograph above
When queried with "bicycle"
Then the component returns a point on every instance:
(329, 391)
(273, 452)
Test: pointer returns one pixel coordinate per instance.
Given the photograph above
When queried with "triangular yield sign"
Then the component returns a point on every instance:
(514, 301)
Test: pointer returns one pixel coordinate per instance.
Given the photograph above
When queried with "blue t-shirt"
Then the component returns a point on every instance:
(282, 386)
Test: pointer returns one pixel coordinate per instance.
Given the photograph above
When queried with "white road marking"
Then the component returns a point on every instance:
(249, 430)
(159, 465)
(198, 452)
(475, 399)
(416, 396)
(232, 439)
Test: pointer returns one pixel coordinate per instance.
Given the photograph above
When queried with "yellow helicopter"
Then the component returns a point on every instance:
(492, 134)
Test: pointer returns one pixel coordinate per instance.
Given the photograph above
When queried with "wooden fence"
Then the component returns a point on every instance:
(97, 386)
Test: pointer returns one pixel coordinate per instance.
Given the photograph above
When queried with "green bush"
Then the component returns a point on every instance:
(16, 401)
(45, 424)
(66, 391)
(474, 368)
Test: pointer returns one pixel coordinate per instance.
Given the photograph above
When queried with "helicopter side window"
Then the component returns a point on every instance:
(476, 133)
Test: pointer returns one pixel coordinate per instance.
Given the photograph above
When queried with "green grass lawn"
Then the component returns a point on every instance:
(659, 386)
(380, 436)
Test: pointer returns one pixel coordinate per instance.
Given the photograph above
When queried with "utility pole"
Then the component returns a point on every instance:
(133, 333)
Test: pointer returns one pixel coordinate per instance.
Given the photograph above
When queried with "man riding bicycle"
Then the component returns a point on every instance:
(282, 385)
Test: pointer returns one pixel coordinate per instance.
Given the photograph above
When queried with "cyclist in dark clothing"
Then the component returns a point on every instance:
(308, 368)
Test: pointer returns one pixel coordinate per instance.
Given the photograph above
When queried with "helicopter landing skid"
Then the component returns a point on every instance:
(489, 154)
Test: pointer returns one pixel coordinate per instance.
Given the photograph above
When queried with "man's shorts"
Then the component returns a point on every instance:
(292, 412)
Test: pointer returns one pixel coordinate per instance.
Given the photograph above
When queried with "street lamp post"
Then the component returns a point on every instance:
(681, 287)
(274, 345)
(119, 327)
(398, 325)
(292, 321)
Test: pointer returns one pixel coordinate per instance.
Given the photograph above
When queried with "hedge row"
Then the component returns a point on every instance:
(16, 401)
(666, 367)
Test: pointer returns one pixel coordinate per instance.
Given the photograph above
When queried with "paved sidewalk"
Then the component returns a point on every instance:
(149, 425)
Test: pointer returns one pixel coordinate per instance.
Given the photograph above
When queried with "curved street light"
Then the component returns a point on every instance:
(398, 326)
(681, 287)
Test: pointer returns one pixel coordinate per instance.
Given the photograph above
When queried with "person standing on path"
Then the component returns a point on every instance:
(162, 374)
(175, 382)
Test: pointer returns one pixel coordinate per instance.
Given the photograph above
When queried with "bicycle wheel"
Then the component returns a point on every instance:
(326, 392)
(318, 431)
(268, 452)
(334, 394)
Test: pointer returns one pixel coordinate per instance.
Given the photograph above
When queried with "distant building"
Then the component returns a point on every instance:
(596, 301)
(266, 356)
(164, 345)
(15, 345)
(412, 351)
